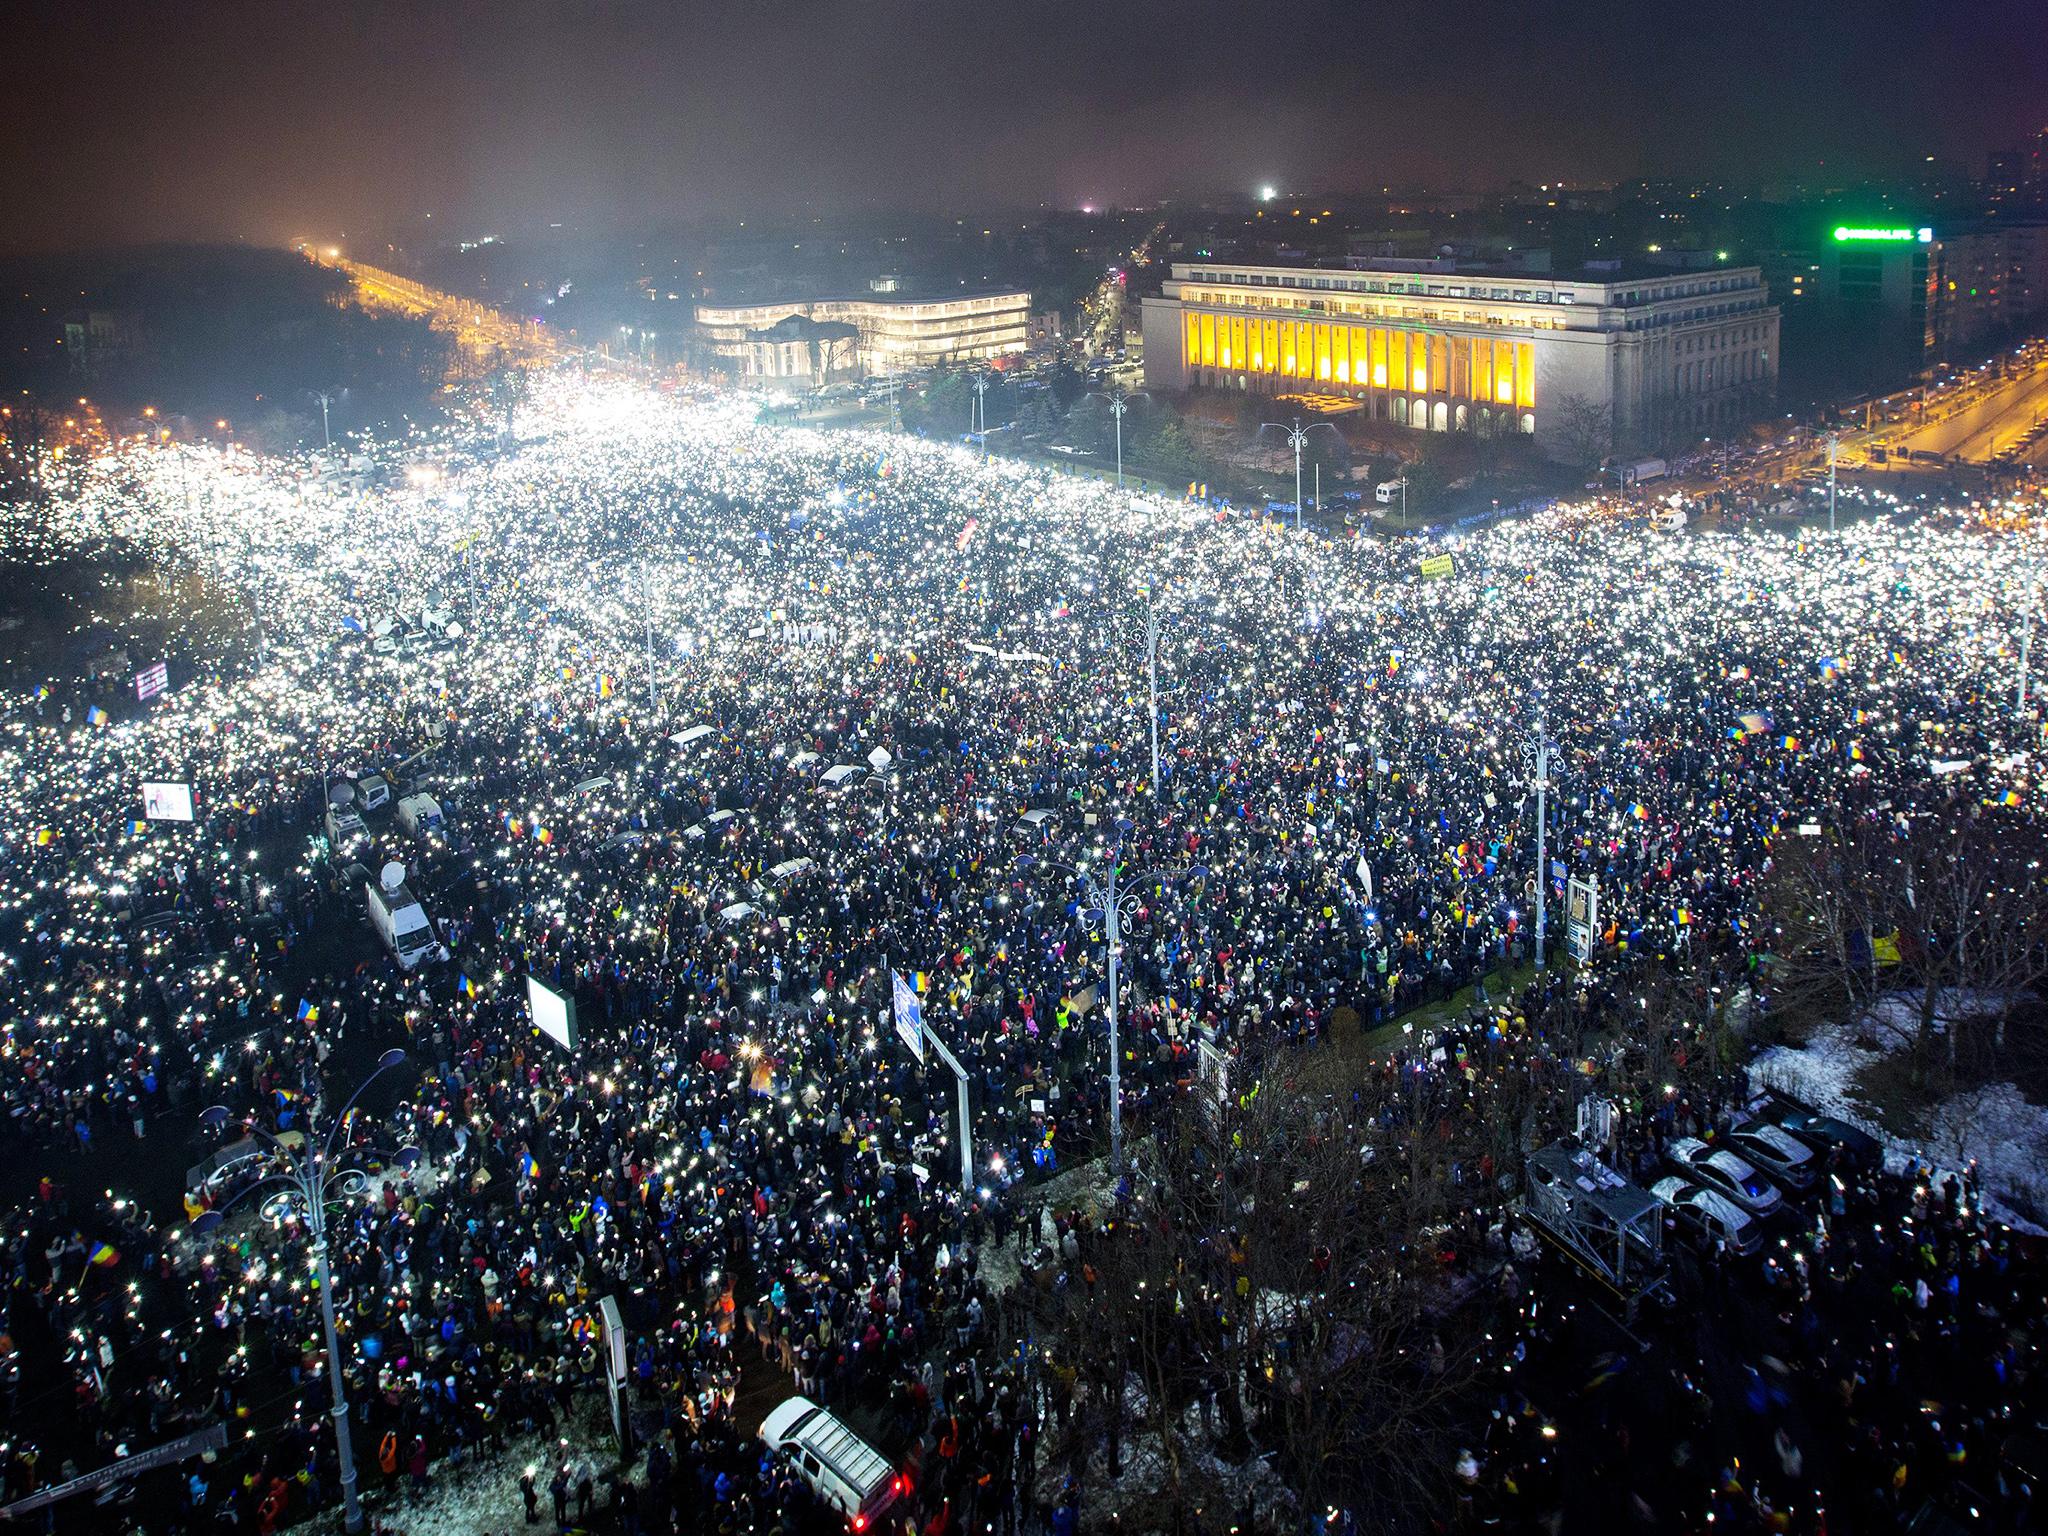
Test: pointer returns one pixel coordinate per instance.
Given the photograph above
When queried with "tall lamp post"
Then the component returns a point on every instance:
(1537, 753)
(1297, 437)
(981, 401)
(1115, 897)
(1119, 402)
(303, 1184)
(1834, 448)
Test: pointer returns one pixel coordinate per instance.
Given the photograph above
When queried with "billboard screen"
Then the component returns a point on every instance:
(554, 1013)
(166, 802)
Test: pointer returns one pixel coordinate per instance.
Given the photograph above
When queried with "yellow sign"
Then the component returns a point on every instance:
(1436, 567)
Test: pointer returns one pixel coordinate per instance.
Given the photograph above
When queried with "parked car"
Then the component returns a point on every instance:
(1726, 1174)
(1826, 1133)
(1783, 1158)
(1711, 1215)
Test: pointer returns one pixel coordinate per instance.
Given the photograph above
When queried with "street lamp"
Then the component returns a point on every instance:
(1115, 897)
(981, 400)
(303, 1186)
(1119, 402)
(1297, 435)
(1537, 753)
(1834, 446)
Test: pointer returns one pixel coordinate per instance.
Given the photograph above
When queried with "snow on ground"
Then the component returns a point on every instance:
(482, 1494)
(1993, 1124)
(1136, 1501)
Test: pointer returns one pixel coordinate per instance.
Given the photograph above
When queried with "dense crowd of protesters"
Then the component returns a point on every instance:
(739, 1147)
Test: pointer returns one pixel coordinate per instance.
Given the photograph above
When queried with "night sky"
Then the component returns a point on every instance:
(268, 119)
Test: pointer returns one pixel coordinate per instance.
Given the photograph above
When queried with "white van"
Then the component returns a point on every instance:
(344, 827)
(401, 923)
(420, 814)
(842, 1469)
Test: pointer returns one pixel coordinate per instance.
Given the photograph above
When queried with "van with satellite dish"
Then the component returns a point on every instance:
(400, 921)
(373, 791)
(842, 1469)
(344, 827)
(420, 815)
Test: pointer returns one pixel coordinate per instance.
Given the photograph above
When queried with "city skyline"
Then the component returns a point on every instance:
(266, 122)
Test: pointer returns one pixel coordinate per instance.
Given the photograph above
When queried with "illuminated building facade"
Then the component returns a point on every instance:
(1630, 360)
(896, 334)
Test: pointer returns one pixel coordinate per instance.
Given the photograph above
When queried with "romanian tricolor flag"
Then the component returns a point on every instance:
(1789, 743)
(45, 837)
(465, 986)
(604, 685)
(543, 835)
(95, 716)
(1640, 811)
(528, 1168)
(2010, 797)
(568, 674)
(1830, 668)
(309, 1013)
(106, 1256)
(1855, 751)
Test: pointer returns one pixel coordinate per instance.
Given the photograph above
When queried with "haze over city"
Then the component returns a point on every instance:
(263, 122)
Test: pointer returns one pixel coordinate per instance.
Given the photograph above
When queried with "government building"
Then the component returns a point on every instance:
(811, 342)
(1606, 360)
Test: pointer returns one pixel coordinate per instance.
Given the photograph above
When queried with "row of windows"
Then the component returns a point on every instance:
(1386, 285)
(1690, 316)
(1365, 308)
(1721, 341)
(1464, 367)
(1711, 373)
(1653, 295)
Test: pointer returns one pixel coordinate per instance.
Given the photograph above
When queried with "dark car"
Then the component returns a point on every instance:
(1824, 1133)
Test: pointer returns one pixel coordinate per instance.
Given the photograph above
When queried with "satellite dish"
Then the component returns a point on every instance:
(392, 875)
(454, 629)
(384, 626)
(341, 792)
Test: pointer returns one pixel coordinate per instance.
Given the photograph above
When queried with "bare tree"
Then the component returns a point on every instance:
(1584, 430)
(1921, 925)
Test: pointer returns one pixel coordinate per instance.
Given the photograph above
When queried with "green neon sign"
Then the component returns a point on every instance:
(1861, 234)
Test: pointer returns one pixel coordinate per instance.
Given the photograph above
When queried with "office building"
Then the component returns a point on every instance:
(894, 333)
(1604, 359)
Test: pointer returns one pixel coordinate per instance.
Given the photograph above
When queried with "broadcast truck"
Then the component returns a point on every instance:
(400, 921)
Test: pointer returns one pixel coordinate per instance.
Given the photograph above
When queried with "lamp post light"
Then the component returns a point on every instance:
(1115, 899)
(981, 402)
(304, 1184)
(1297, 437)
(1537, 752)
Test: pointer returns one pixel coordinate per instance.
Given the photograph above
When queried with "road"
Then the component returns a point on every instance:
(1105, 309)
(476, 326)
(1981, 428)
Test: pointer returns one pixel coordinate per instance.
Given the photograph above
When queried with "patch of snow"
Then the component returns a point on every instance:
(1994, 1124)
